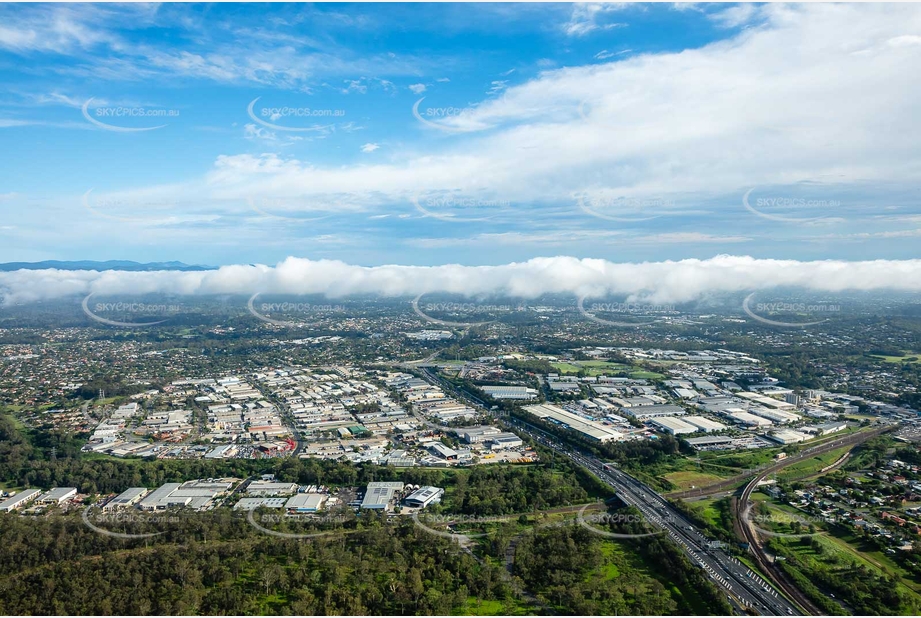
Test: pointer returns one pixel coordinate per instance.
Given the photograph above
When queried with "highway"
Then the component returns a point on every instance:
(743, 587)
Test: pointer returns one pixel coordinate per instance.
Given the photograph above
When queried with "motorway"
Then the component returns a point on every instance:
(742, 586)
(744, 589)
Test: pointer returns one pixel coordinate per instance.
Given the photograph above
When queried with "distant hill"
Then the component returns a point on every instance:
(107, 265)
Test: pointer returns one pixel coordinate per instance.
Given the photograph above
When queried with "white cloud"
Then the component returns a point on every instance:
(588, 17)
(665, 282)
(417, 88)
(370, 147)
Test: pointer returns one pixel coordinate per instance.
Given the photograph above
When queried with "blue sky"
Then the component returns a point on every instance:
(475, 134)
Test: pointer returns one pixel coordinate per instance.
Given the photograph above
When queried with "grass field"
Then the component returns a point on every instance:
(907, 357)
(690, 479)
(597, 368)
(811, 466)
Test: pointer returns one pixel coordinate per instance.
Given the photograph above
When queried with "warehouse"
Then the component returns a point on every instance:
(270, 488)
(158, 498)
(704, 424)
(19, 500)
(765, 401)
(749, 420)
(127, 498)
(674, 426)
(251, 504)
(472, 435)
(305, 503)
(440, 450)
(590, 429)
(379, 495)
(787, 437)
(424, 496)
(509, 392)
(505, 440)
(776, 416)
(655, 411)
(706, 443)
(58, 495)
(833, 427)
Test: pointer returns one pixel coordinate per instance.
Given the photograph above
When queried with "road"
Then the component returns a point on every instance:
(743, 587)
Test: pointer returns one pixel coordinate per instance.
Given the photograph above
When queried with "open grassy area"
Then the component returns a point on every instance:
(599, 367)
(479, 607)
(689, 479)
(811, 466)
(907, 357)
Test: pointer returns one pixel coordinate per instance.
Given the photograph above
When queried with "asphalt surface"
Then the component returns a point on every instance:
(744, 589)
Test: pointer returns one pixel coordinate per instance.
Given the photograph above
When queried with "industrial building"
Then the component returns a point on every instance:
(785, 436)
(509, 392)
(57, 495)
(251, 504)
(19, 500)
(440, 450)
(473, 435)
(379, 495)
(765, 401)
(506, 440)
(305, 503)
(776, 416)
(703, 424)
(424, 496)
(749, 420)
(590, 429)
(270, 488)
(158, 499)
(710, 442)
(654, 411)
(127, 498)
(833, 427)
(674, 426)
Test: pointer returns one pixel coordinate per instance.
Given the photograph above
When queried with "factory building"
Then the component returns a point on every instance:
(674, 426)
(19, 500)
(251, 504)
(510, 392)
(505, 440)
(786, 436)
(127, 498)
(58, 495)
(749, 420)
(833, 427)
(158, 499)
(703, 424)
(424, 496)
(776, 416)
(473, 435)
(305, 503)
(270, 488)
(379, 495)
(654, 411)
(589, 429)
(440, 450)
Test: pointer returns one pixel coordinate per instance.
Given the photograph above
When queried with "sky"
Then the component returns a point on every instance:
(478, 135)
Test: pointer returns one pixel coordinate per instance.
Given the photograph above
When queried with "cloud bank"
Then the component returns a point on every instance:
(658, 282)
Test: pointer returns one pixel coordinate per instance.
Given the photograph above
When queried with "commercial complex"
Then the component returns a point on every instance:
(592, 430)
(424, 496)
(19, 500)
(379, 495)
